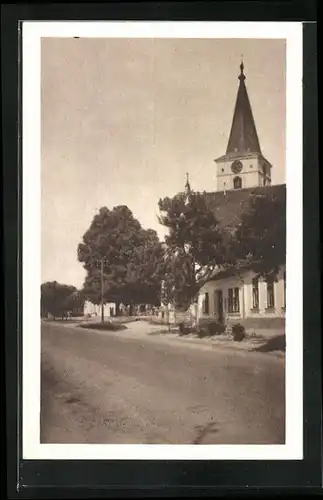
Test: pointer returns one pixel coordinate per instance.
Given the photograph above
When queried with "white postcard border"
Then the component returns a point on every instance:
(31, 133)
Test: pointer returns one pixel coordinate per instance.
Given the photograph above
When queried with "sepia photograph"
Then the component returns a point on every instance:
(168, 242)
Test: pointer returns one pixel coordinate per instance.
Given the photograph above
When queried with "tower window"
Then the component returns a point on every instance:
(237, 183)
(222, 169)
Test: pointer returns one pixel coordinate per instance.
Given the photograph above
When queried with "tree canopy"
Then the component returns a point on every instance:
(198, 245)
(260, 238)
(129, 254)
(194, 243)
(57, 299)
(134, 262)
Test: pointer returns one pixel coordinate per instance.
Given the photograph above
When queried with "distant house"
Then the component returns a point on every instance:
(246, 299)
(91, 309)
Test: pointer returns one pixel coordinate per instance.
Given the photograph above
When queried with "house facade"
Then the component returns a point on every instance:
(246, 299)
(91, 309)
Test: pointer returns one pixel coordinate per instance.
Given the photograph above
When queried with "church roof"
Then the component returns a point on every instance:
(243, 137)
(228, 206)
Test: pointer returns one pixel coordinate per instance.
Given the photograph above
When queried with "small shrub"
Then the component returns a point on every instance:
(216, 328)
(213, 327)
(203, 332)
(238, 332)
(184, 328)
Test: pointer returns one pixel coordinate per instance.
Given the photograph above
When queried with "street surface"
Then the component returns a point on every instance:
(101, 387)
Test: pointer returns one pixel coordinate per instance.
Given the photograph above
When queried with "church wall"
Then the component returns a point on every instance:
(251, 179)
(249, 174)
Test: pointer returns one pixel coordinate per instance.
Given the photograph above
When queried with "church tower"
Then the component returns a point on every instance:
(243, 165)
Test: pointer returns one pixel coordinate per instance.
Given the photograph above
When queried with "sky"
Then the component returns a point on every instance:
(123, 120)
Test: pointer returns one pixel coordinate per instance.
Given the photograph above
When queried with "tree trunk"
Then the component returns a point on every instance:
(102, 313)
(197, 315)
(117, 308)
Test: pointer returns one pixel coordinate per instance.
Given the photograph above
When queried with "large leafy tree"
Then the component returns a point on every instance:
(144, 270)
(194, 244)
(259, 240)
(75, 302)
(122, 256)
(57, 298)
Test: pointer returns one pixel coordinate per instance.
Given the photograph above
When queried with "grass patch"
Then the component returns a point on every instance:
(155, 321)
(122, 320)
(106, 326)
(161, 332)
(65, 321)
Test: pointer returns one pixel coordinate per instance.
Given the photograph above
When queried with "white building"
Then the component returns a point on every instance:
(245, 299)
(91, 309)
(241, 172)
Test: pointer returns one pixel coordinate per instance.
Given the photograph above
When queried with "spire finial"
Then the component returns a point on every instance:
(188, 190)
(187, 184)
(241, 76)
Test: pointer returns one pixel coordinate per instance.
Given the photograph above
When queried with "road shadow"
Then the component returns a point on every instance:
(277, 343)
(106, 326)
(203, 432)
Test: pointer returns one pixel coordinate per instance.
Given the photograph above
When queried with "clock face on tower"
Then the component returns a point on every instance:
(236, 167)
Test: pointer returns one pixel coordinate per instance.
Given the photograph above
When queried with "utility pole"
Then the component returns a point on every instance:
(174, 304)
(102, 305)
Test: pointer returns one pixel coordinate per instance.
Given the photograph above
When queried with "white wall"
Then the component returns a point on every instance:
(251, 173)
(212, 286)
(90, 308)
(279, 310)
(245, 296)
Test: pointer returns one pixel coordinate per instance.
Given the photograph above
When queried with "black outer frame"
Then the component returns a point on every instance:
(85, 479)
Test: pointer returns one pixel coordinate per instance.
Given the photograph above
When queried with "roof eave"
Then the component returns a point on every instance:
(239, 154)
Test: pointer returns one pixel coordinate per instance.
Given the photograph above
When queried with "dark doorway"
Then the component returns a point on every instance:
(219, 305)
(237, 183)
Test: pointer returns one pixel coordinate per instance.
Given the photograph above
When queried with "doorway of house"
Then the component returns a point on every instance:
(219, 305)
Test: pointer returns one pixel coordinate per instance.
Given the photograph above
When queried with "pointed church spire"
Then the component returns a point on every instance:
(243, 136)
(241, 76)
(187, 185)
(188, 190)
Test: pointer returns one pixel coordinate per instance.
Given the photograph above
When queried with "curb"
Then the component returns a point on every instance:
(214, 345)
(155, 336)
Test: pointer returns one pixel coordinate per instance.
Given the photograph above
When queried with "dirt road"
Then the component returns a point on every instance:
(102, 388)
